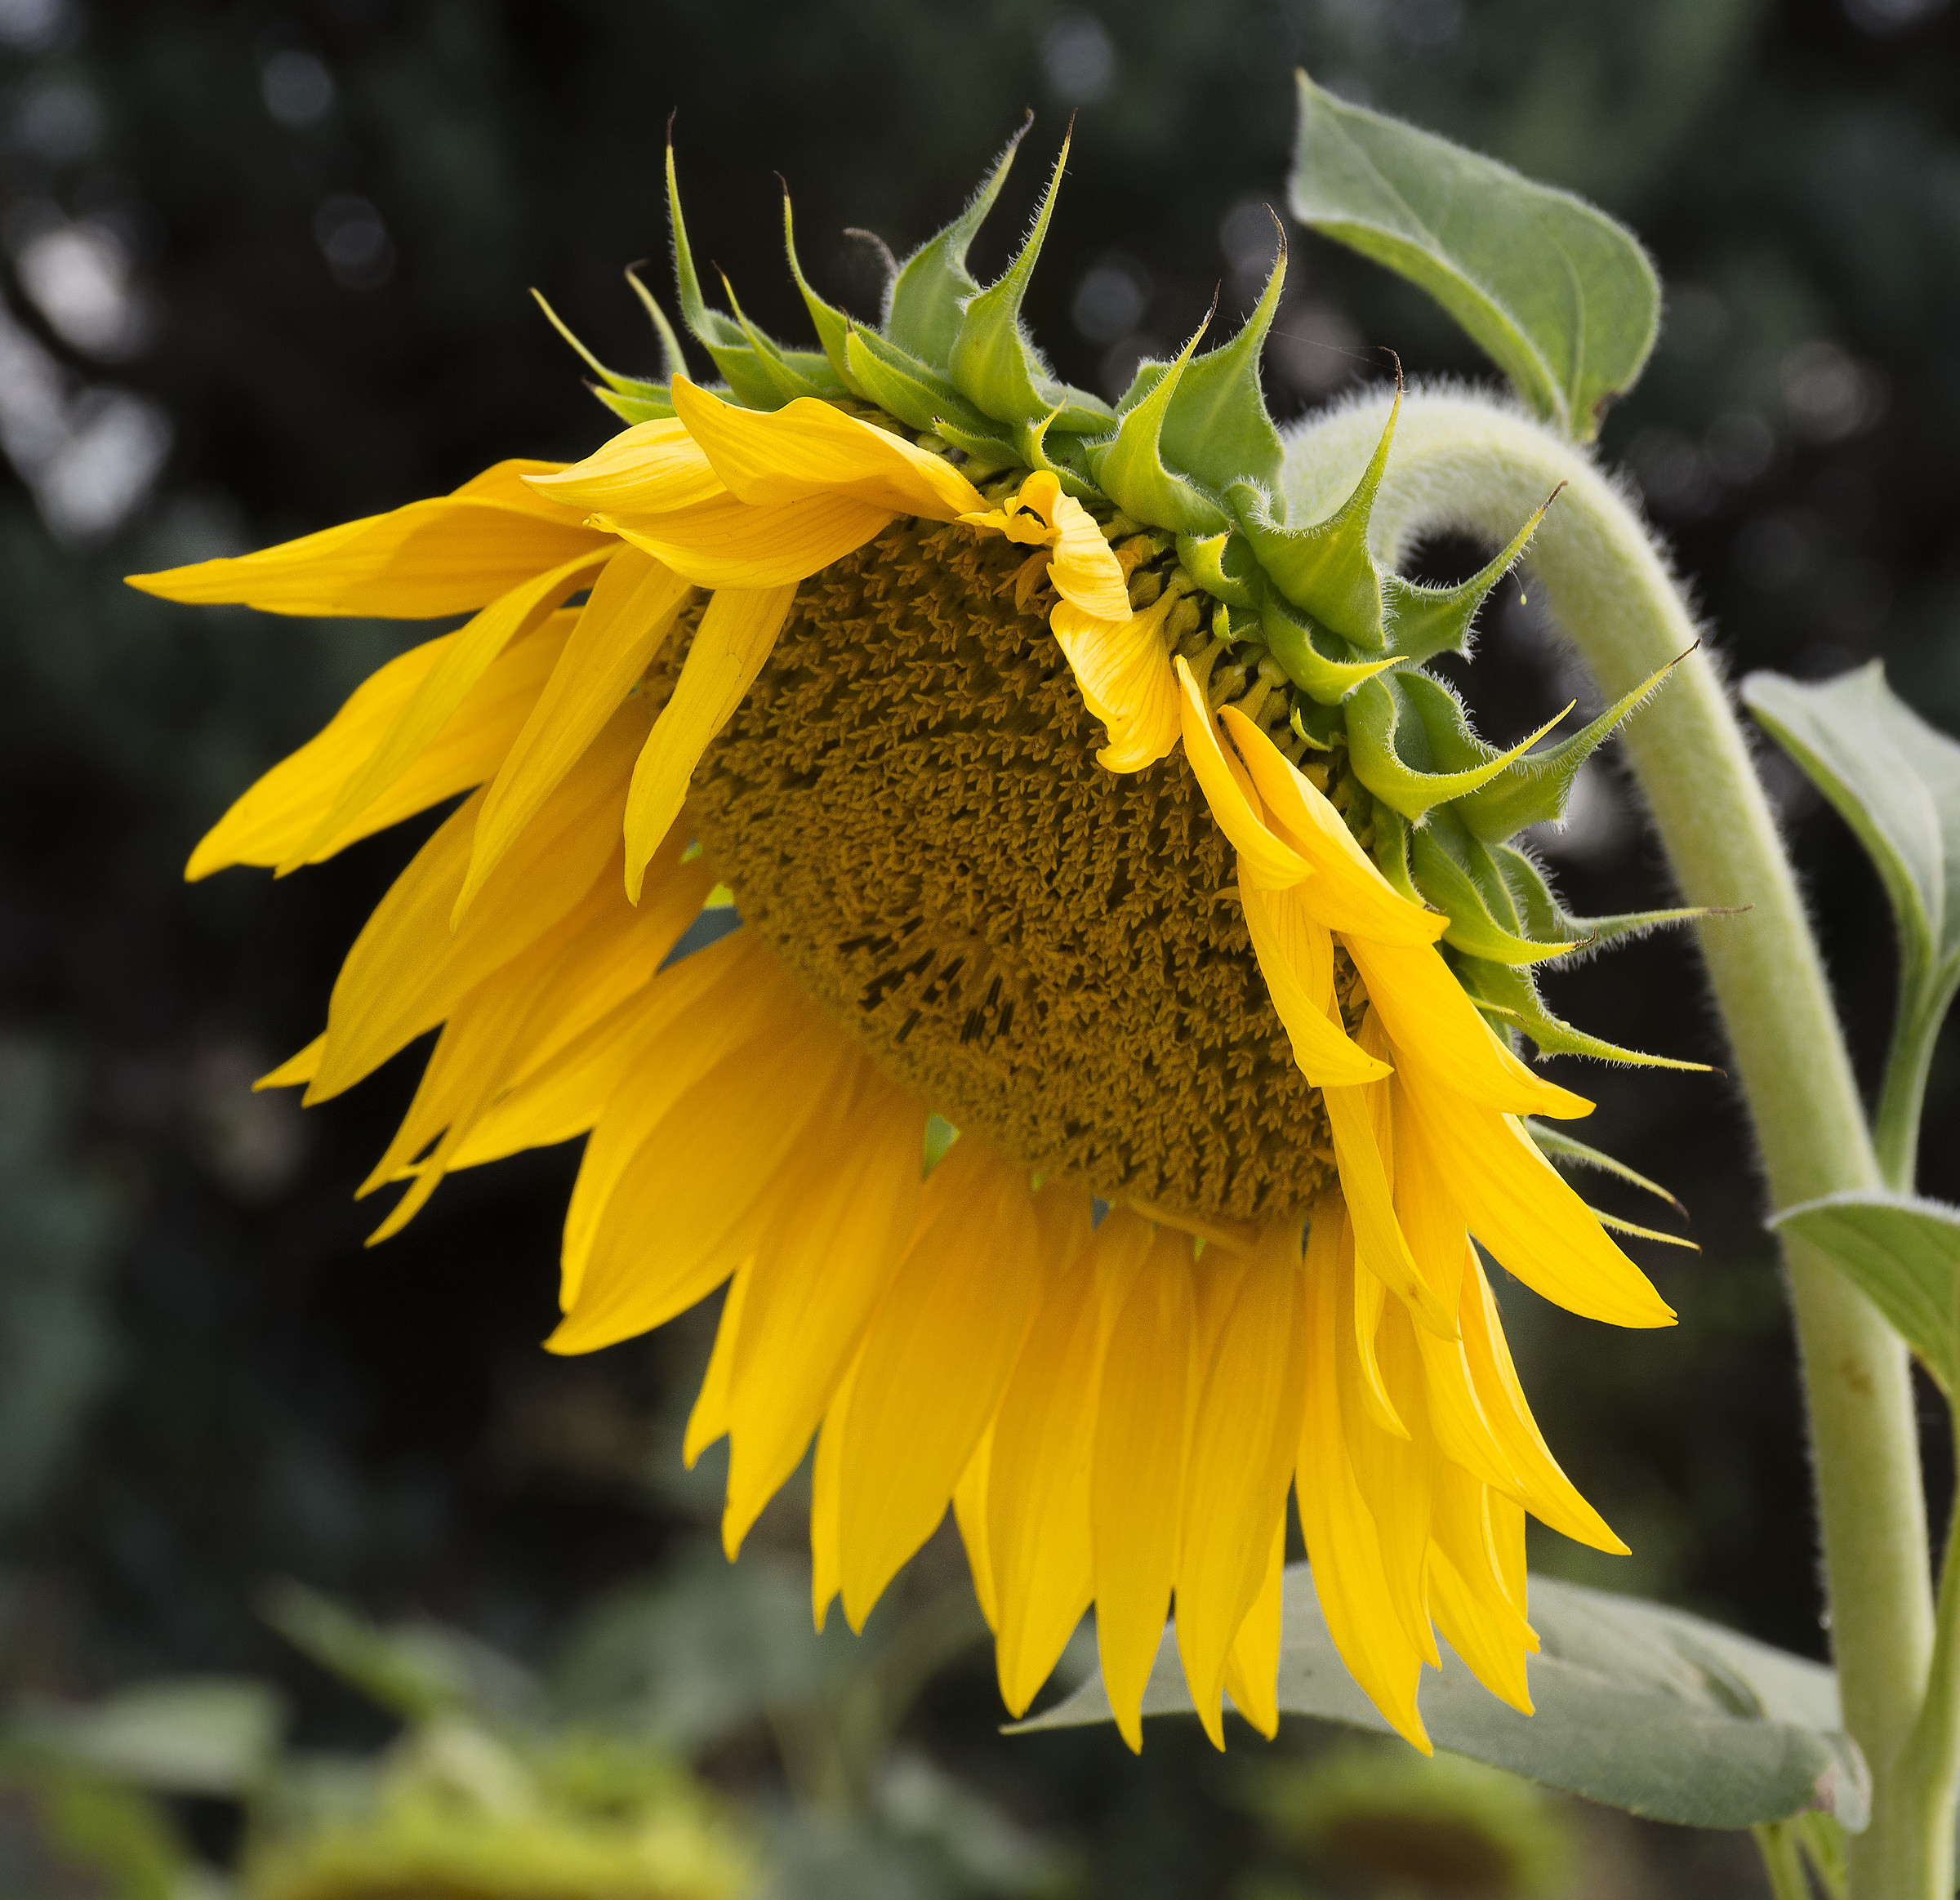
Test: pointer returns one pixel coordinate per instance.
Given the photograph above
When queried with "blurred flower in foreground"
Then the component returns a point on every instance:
(845, 631)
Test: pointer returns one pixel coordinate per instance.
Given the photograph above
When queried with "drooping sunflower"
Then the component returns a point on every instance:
(1096, 1115)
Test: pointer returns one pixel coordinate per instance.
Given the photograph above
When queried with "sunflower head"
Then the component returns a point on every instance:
(1078, 784)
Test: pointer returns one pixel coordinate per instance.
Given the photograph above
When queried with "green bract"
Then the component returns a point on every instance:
(1190, 450)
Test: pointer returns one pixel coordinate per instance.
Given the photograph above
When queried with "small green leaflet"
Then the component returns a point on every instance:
(210, 1735)
(1896, 781)
(1562, 298)
(1642, 1708)
(1903, 1254)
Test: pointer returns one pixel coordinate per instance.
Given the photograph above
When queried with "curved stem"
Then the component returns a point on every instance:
(1471, 462)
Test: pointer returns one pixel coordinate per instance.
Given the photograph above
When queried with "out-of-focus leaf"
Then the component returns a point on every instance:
(1903, 1254)
(1640, 1707)
(1562, 297)
(193, 1735)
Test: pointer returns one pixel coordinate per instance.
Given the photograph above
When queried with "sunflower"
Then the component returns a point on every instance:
(1090, 1117)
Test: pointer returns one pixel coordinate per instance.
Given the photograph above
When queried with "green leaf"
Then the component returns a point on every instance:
(922, 314)
(1903, 1254)
(1299, 651)
(1896, 782)
(189, 1735)
(1129, 469)
(832, 326)
(1641, 1707)
(724, 339)
(916, 393)
(1508, 996)
(1412, 745)
(1460, 878)
(1562, 299)
(635, 388)
(1560, 1146)
(1424, 621)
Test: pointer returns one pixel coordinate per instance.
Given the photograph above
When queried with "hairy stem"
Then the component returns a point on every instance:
(1470, 462)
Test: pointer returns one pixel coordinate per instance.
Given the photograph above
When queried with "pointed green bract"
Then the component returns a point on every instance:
(1458, 876)
(832, 326)
(1390, 833)
(1129, 468)
(1222, 564)
(632, 398)
(1563, 298)
(1412, 745)
(1535, 788)
(922, 314)
(1218, 428)
(1322, 676)
(1545, 920)
(791, 372)
(1558, 1145)
(1510, 996)
(914, 393)
(1328, 568)
(735, 354)
(670, 358)
(1425, 622)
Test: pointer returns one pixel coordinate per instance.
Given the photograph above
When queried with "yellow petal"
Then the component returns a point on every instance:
(826, 1560)
(1246, 1436)
(685, 1214)
(447, 684)
(296, 1069)
(809, 448)
(1271, 863)
(1139, 1471)
(1085, 571)
(735, 637)
(936, 1358)
(619, 629)
(451, 555)
(1123, 672)
(407, 970)
(820, 1270)
(650, 469)
(695, 1018)
(1549, 1494)
(726, 543)
(1038, 1494)
(1471, 1608)
(1438, 1035)
(1521, 1208)
(1364, 1184)
(709, 1419)
(1295, 956)
(1251, 1669)
(1342, 1544)
(970, 1513)
(1350, 893)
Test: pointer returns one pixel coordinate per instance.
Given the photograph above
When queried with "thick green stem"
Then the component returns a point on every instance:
(1470, 462)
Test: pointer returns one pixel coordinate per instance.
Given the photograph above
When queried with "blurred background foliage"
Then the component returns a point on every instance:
(265, 269)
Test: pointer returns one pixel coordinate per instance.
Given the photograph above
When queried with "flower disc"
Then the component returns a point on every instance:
(908, 805)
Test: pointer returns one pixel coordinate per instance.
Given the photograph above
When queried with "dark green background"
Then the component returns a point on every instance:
(204, 1379)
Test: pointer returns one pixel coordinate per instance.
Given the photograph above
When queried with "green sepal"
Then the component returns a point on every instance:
(1129, 468)
(1322, 678)
(1457, 874)
(1320, 726)
(1424, 621)
(612, 389)
(631, 409)
(1390, 849)
(1546, 920)
(1071, 470)
(1412, 745)
(1556, 1145)
(1639, 1233)
(899, 383)
(992, 362)
(735, 354)
(1534, 790)
(1224, 566)
(1510, 997)
(922, 311)
(792, 373)
(831, 324)
(670, 358)
(1328, 569)
(1217, 427)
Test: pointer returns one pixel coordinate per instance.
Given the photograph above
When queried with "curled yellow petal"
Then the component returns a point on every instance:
(1123, 675)
(1264, 857)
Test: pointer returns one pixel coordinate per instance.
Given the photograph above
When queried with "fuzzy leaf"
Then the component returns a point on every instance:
(635, 388)
(922, 314)
(1412, 745)
(1904, 1255)
(915, 394)
(832, 325)
(1896, 781)
(1328, 569)
(1641, 1707)
(1545, 920)
(1558, 1146)
(1457, 875)
(1224, 566)
(724, 339)
(1563, 298)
